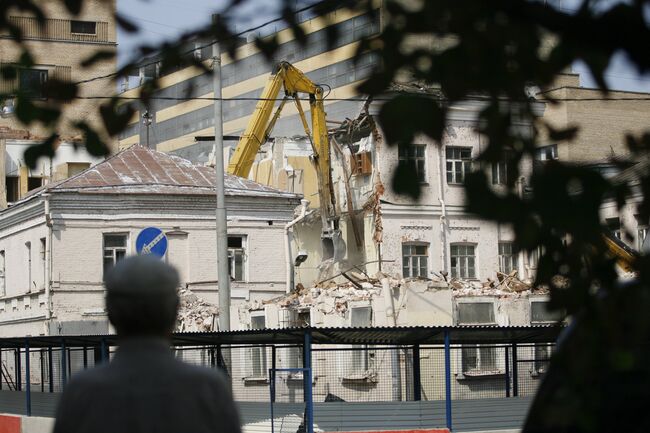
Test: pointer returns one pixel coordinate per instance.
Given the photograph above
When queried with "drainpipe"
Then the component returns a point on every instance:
(48, 283)
(394, 353)
(287, 243)
(443, 212)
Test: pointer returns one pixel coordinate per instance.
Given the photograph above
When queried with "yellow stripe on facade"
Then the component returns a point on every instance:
(348, 91)
(308, 65)
(129, 141)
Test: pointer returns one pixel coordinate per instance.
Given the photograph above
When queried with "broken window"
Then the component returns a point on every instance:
(459, 163)
(543, 155)
(257, 354)
(114, 250)
(361, 163)
(415, 260)
(540, 313)
(507, 257)
(32, 82)
(83, 27)
(34, 182)
(463, 261)
(614, 226)
(236, 257)
(641, 231)
(413, 157)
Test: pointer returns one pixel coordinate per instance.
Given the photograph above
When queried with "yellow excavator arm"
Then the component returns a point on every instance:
(624, 255)
(259, 129)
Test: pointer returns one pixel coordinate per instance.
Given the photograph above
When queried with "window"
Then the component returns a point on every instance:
(114, 250)
(361, 163)
(83, 27)
(463, 261)
(3, 275)
(477, 359)
(43, 255)
(533, 257)
(641, 231)
(414, 260)
(32, 82)
(360, 359)
(614, 226)
(472, 313)
(28, 260)
(542, 357)
(459, 164)
(236, 257)
(539, 313)
(412, 156)
(546, 153)
(502, 170)
(507, 257)
(258, 359)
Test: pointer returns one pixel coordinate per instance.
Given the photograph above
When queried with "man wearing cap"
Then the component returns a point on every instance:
(144, 388)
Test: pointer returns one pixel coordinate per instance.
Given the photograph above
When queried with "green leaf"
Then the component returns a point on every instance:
(93, 143)
(43, 149)
(404, 116)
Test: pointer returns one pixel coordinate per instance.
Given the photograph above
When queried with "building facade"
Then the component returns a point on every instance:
(57, 243)
(58, 48)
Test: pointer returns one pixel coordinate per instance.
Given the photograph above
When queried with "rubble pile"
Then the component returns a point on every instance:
(503, 285)
(195, 314)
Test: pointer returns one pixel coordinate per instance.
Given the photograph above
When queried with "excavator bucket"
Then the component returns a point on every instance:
(333, 246)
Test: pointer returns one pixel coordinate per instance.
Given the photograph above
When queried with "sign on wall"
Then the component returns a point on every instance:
(151, 240)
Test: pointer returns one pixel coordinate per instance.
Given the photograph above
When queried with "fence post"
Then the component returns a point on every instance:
(515, 372)
(64, 364)
(19, 368)
(28, 389)
(85, 357)
(507, 373)
(1, 371)
(50, 368)
(42, 366)
(104, 349)
(306, 376)
(448, 378)
(417, 379)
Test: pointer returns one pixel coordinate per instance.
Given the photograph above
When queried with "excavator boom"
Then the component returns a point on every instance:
(294, 82)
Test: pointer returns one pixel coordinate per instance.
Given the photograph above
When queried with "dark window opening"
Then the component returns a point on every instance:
(13, 189)
(83, 27)
(32, 82)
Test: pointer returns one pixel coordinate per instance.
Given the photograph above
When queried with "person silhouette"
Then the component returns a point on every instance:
(145, 388)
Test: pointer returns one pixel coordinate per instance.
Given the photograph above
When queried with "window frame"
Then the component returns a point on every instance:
(547, 321)
(642, 225)
(456, 268)
(409, 155)
(492, 318)
(503, 256)
(114, 250)
(233, 253)
(415, 256)
(453, 160)
(257, 351)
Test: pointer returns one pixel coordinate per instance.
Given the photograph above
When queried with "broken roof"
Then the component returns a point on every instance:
(140, 170)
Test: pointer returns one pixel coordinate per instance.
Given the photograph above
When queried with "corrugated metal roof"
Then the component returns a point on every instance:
(400, 335)
(139, 170)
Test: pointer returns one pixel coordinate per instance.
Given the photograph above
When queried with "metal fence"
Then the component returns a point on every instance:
(373, 374)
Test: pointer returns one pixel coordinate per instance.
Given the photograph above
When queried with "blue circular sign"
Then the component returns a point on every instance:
(151, 240)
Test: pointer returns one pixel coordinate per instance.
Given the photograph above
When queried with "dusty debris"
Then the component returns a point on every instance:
(195, 314)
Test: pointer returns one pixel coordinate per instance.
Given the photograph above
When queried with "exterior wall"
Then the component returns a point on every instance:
(76, 253)
(62, 51)
(603, 124)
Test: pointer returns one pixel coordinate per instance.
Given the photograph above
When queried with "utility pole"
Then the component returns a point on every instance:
(223, 275)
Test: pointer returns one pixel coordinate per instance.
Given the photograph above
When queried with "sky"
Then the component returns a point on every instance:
(161, 20)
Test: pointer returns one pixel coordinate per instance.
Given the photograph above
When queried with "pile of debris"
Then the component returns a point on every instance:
(503, 285)
(195, 314)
